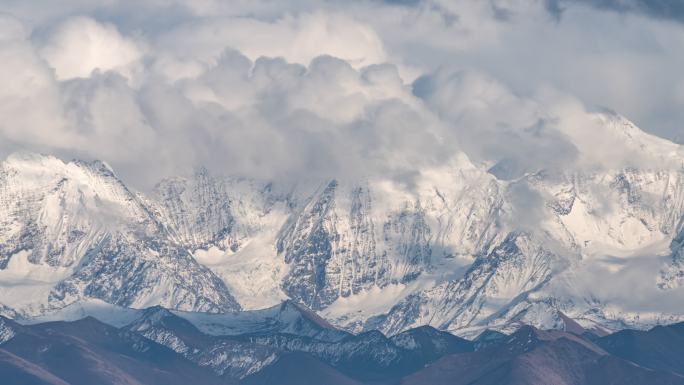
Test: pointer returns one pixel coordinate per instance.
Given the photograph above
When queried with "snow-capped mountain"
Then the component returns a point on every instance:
(456, 247)
(73, 230)
(609, 220)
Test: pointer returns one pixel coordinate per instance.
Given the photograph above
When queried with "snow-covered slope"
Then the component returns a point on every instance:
(350, 238)
(72, 230)
(454, 247)
(594, 235)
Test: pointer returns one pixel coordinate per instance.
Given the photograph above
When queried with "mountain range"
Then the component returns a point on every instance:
(464, 247)
(288, 344)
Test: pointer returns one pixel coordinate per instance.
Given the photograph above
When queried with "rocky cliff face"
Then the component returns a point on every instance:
(347, 238)
(197, 212)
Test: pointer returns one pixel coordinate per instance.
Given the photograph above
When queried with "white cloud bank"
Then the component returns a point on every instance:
(81, 45)
(291, 90)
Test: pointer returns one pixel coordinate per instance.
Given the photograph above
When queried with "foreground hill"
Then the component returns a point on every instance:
(159, 346)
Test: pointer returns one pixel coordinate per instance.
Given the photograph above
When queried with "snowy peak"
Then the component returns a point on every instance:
(55, 209)
(72, 230)
(628, 133)
(609, 141)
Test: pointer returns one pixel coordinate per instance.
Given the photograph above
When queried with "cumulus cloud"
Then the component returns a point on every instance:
(30, 111)
(297, 38)
(81, 45)
(267, 119)
(619, 60)
(479, 108)
(291, 90)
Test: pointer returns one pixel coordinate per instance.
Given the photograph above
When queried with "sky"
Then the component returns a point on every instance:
(292, 89)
